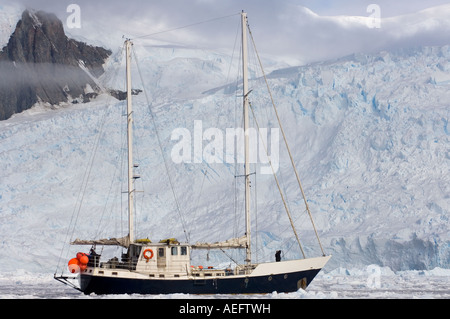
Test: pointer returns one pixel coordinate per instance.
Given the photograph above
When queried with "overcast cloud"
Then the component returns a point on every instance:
(301, 31)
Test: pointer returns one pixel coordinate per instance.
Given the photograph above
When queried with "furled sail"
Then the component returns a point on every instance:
(230, 243)
(124, 242)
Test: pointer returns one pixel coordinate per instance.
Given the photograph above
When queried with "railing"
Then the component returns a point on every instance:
(113, 263)
(130, 264)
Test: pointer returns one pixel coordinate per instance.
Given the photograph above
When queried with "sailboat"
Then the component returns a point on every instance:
(165, 267)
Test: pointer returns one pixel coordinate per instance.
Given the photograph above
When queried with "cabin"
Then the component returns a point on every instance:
(166, 259)
(161, 259)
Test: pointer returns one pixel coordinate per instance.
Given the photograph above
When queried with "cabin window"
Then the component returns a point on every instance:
(184, 251)
(174, 251)
(160, 252)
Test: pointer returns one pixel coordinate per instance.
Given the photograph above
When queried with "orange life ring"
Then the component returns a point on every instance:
(146, 256)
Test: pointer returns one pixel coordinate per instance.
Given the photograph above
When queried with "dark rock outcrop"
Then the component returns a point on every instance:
(41, 64)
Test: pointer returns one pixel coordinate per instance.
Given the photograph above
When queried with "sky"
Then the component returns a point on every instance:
(299, 31)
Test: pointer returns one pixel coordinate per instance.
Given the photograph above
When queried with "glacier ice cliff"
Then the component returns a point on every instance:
(369, 134)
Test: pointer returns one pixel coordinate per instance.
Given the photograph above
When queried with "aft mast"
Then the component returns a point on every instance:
(246, 139)
(128, 45)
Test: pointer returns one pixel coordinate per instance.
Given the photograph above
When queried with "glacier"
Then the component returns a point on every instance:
(369, 134)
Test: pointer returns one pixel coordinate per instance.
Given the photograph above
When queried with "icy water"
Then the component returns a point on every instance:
(338, 284)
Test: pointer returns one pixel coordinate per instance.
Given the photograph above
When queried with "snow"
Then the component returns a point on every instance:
(10, 14)
(369, 134)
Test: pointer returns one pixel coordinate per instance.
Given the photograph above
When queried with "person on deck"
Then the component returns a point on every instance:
(278, 256)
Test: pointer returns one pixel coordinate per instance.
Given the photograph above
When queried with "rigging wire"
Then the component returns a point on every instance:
(86, 176)
(256, 215)
(82, 192)
(287, 146)
(279, 188)
(115, 76)
(185, 26)
(236, 168)
(207, 168)
(162, 150)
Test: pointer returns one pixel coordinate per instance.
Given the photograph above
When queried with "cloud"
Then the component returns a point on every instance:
(296, 30)
(313, 37)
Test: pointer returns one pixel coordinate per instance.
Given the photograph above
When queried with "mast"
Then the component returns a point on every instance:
(246, 133)
(128, 45)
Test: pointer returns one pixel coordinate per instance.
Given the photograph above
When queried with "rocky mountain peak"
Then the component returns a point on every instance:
(39, 37)
(41, 64)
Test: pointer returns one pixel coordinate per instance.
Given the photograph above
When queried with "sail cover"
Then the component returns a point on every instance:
(230, 243)
(124, 242)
